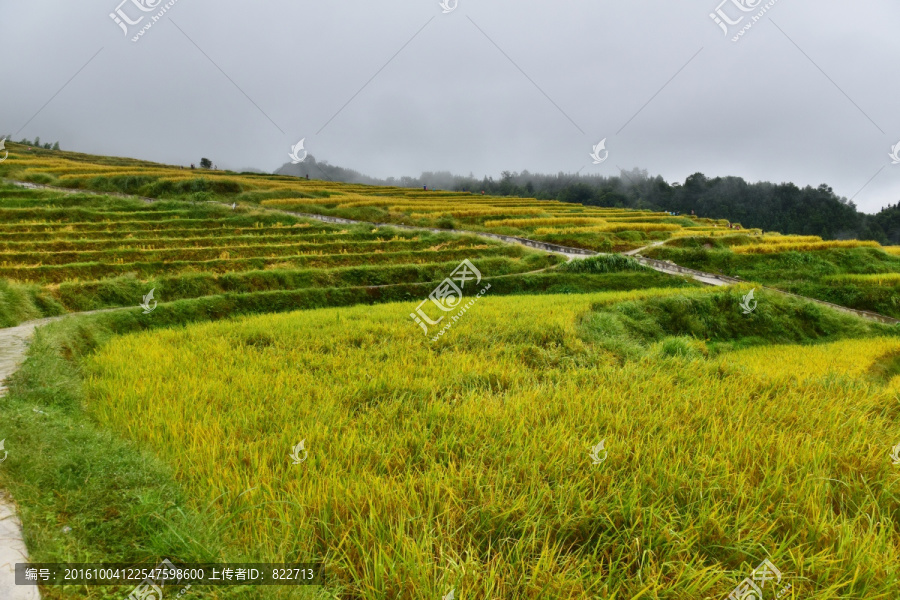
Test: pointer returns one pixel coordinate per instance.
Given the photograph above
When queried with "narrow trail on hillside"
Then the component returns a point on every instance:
(13, 345)
(13, 348)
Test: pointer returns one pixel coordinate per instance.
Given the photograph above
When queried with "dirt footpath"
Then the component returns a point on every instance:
(13, 343)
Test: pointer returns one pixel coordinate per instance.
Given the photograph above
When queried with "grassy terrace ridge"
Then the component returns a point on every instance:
(145, 228)
(826, 274)
(251, 250)
(64, 235)
(81, 271)
(205, 241)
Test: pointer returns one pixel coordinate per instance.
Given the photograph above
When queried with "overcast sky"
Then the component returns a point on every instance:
(808, 94)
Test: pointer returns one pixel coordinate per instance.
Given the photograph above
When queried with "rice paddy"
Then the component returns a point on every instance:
(468, 465)
(593, 228)
(93, 251)
(590, 429)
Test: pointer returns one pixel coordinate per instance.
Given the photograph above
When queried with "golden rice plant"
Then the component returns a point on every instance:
(609, 228)
(803, 246)
(786, 239)
(547, 221)
(848, 358)
(467, 463)
(887, 279)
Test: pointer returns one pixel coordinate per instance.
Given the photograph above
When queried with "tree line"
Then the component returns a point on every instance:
(783, 207)
(34, 144)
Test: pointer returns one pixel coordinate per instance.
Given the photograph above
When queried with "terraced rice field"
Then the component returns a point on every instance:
(594, 228)
(466, 465)
(88, 251)
(602, 229)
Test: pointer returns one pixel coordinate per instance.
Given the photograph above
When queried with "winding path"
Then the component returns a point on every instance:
(13, 344)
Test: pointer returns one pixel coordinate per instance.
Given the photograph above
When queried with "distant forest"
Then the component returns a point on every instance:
(782, 207)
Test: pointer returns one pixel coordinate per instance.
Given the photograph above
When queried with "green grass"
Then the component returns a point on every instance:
(261, 237)
(813, 274)
(611, 263)
(716, 323)
(25, 302)
(289, 248)
(93, 271)
(125, 290)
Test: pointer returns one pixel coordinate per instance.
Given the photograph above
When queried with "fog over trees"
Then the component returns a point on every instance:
(783, 207)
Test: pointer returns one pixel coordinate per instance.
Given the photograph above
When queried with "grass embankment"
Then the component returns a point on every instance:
(24, 302)
(854, 277)
(465, 463)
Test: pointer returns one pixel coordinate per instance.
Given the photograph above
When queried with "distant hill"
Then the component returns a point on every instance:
(782, 207)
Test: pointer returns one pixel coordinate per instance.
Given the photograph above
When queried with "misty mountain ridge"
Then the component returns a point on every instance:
(783, 207)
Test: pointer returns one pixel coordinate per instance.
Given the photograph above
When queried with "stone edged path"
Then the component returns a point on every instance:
(12, 551)
(13, 344)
